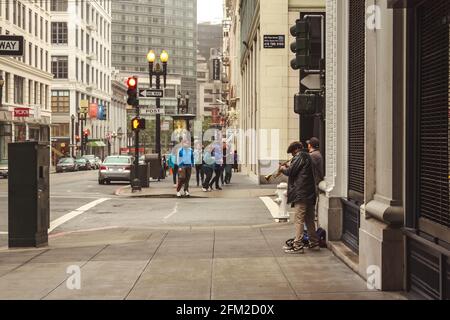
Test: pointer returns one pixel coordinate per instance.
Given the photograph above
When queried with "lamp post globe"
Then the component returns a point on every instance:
(164, 57)
(151, 56)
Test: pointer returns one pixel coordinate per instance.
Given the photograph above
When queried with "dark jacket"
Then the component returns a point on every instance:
(317, 162)
(301, 186)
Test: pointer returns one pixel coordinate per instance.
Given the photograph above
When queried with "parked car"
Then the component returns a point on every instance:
(115, 168)
(83, 164)
(92, 161)
(66, 165)
(4, 168)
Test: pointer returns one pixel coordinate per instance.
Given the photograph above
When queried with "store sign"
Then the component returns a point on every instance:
(84, 106)
(274, 42)
(93, 110)
(11, 45)
(21, 112)
(101, 115)
(216, 69)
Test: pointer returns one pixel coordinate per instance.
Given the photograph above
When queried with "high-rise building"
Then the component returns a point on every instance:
(81, 65)
(157, 25)
(25, 112)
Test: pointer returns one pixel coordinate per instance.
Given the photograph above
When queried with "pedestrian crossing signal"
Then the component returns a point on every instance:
(138, 124)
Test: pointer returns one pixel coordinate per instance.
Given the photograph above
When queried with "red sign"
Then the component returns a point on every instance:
(93, 109)
(21, 112)
(132, 150)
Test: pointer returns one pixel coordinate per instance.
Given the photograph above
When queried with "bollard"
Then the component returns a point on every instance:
(281, 201)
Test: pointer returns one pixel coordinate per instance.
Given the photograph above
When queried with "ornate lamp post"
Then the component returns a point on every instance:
(155, 70)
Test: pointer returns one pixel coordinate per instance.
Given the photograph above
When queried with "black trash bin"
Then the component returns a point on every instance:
(155, 165)
(144, 174)
(28, 194)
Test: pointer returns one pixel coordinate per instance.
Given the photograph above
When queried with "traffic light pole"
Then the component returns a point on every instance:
(158, 124)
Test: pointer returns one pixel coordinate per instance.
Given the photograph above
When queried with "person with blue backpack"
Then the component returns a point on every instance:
(185, 164)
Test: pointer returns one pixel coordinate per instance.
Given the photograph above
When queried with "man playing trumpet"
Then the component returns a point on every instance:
(302, 196)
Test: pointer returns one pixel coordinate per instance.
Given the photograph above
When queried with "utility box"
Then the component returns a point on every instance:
(144, 175)
(155, 165)
(28, 194)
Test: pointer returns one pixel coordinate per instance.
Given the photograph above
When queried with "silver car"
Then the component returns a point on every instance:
(115, 168)
(4, 168)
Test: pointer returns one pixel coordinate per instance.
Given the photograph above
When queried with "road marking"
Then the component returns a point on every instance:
(271, 205)
(175, 210)
(56, 223)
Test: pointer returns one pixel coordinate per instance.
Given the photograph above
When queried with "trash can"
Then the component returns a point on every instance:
(28, 194)
(144, 174)
(155, 165)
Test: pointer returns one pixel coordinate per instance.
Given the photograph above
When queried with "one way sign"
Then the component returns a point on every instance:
(11, 45)
(151, 93)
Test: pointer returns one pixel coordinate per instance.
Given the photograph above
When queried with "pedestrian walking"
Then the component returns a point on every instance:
(228, 164)
(174, 167)
(302, 196)
(185, 164)
(235, 162)
(208, 169)
(198, 159)
(218, 162)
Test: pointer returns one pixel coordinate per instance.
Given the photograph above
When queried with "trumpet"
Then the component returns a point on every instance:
(278, 172)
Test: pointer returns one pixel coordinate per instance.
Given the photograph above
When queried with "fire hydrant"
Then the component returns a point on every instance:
(281, 201)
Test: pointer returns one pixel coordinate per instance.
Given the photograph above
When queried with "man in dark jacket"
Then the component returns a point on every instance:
(302, 196)
(316, 157)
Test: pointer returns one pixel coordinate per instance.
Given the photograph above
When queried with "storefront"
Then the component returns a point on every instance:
(5, 139)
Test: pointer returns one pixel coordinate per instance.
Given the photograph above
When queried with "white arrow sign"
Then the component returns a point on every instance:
(312, 81)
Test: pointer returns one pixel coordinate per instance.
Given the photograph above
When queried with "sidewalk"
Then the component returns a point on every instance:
(241, 187)
(183, 263)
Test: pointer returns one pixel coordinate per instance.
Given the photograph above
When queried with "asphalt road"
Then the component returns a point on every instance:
(98, 207)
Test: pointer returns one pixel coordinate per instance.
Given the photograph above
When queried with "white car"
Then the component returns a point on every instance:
(115, 168)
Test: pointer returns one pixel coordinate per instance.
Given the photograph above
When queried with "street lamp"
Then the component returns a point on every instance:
(155, 70)
(72, 140)
(2, 83)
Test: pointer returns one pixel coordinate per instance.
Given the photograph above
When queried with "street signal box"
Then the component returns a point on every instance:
(132, 92)
(302, 45)
(138, 124)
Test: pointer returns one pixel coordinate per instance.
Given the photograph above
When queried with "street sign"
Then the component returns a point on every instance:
(151, 93)
(11, 45)
(274, 41)
(151, 111)
(311, 82)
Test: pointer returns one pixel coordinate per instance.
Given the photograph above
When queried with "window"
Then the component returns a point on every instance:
(60, 67)
(18, 90)
(59, 32)
(59, 5)
(60, 101)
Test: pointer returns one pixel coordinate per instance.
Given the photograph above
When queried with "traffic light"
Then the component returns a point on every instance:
(138, 124)
(85, 136)
(132, 92)
(302, 45)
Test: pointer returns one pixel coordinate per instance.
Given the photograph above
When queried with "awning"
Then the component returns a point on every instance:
(96, 144)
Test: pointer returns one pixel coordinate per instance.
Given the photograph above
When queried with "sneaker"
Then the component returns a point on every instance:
(295, 250)
(204, 190)
(314, 246)
(187, 194)
(179, 194)
(289, 244)
(219, 188)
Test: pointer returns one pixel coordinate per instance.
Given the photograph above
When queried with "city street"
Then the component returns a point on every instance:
(150, 248)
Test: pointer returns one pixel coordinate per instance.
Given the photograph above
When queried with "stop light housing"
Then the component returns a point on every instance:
(302, 45)
(132, 93)
(138, 124)
(308, 104)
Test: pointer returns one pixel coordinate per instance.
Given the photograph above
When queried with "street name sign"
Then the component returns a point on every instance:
(151, 93)
(151, 111)
(11, 45)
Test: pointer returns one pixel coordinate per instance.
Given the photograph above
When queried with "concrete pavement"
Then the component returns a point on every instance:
(222, 247)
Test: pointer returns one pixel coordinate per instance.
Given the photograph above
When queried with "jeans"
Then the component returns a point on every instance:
(175, 173)
(218, 174)
(199, 173)
(208, 171)
(184, 181)
(228, 173)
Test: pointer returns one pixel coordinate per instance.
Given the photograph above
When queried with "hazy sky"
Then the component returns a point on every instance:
(209, 10)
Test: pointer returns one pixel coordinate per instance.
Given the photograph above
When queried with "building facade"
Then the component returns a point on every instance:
(81, 65)
(157, 25)
(27, 79)
(118, 116)
(385, 198)
(262, 86)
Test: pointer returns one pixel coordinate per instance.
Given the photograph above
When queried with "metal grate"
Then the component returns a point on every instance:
(434, 125)
(356, 97)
